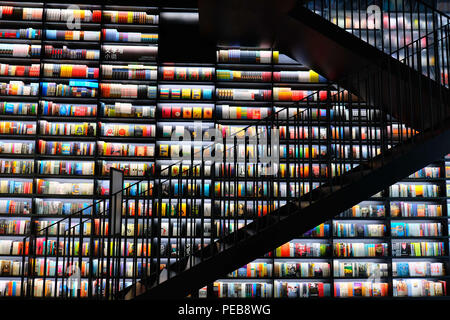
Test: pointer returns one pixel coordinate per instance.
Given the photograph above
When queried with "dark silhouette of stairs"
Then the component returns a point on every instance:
(335, 53)
(398, 88)
(266, 233)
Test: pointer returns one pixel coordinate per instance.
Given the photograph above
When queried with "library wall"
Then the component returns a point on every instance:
(83, 90)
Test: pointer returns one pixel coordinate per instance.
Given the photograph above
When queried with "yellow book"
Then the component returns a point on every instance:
(197, 113)
(186, 93)
(276, 55)
(182, 209)
(196, 94)
(419, 190)
(313, 76)
(163, 209)
(164, 150)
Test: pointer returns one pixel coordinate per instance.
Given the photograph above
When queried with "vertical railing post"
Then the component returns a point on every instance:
(115, 227)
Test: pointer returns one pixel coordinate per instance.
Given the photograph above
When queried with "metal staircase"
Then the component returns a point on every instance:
(398, 109)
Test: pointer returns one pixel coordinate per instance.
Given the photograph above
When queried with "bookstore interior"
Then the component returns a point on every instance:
(86, 92)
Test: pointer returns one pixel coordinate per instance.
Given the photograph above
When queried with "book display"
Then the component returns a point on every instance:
(406, 258)
(77, 102)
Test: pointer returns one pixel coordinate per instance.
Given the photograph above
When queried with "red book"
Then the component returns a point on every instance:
(321, 293)
(169, 73)
(176, 112)
(166, 112)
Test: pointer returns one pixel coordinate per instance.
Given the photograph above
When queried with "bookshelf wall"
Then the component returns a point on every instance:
(394, 244)
(97, 96)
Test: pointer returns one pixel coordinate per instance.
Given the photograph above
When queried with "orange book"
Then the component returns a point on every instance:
(285, 250)
(306, 170)
(350, 289)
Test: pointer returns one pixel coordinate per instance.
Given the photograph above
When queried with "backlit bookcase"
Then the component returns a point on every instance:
(93, 94)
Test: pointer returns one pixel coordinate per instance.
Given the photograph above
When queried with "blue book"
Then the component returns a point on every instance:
(326, 229)
(398, 229)
(84, 83)
(78, 168)
(64, 110)
(66, 208)
(403, 269)
(242, 272)
(9, 108)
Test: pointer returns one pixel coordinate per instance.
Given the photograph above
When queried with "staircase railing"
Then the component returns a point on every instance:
(191, 210)
(56, 258)
(396, 27)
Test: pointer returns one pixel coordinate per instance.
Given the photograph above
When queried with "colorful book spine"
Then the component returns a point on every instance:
(50, 108)
(20, 70)
(418, 288)
(295, 289)
(127, 130)
(52, 89)
(244, 94)
(130, 17)
(58, 167)
(16, 186)
(70, 71)
(15, 207)
(247, 56)
(187, 73)
(365, 211)
(18, 108)
(129, 168)
(412, 209)
(19, 88)
(29, 33)
(68, 53)
(125, 149)
(130, 91)
(19, 50)
(235, 75)
(81, 15)
(194, 93)
(67, 129)
(242, 290)
(66, 148)
(18, 13)
(114, 35)
(358, 229)
(120, 109)
(302, 269)
(18, 128)
(130, 71)
(360, 289)
(16, 166)
(245, 113)
(64, 188)
(298, 76)
(72, 35)
(411, 229)
(288, 94)
(60, 207)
